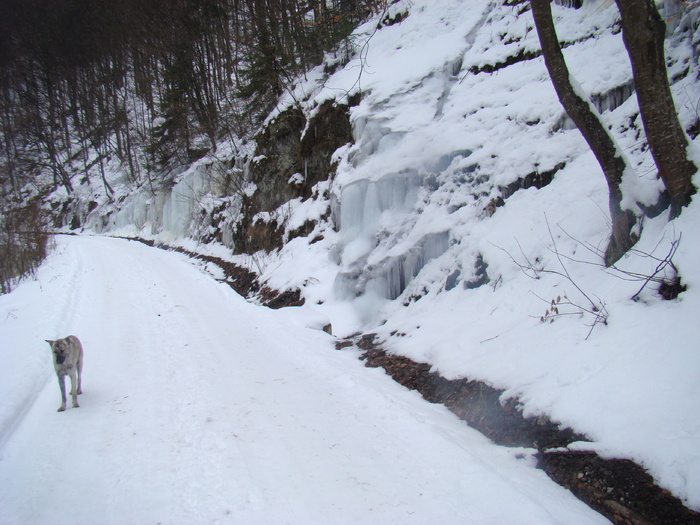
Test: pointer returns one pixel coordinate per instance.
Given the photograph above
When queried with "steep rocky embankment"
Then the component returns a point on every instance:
(293, 154)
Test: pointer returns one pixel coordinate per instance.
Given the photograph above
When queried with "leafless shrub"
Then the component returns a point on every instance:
(591, 306)
(24, 244)
(665, 275)
(563, 306)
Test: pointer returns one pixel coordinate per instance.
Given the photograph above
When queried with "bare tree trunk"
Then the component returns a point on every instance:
(643, 32)
(8, 135)
(581, 111)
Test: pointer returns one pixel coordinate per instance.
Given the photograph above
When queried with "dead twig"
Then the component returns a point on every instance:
(659, 274)
(596, 307)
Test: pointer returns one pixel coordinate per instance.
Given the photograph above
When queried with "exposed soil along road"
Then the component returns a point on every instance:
(200, 407)
(618, 488)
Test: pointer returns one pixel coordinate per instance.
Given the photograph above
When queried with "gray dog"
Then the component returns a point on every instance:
(68, 361)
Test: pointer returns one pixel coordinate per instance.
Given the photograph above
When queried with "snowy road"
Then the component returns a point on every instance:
(201, 408)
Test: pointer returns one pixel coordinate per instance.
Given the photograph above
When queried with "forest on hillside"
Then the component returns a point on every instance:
(153, 82)
(155, 85)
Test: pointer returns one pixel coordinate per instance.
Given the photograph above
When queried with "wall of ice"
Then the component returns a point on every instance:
(374, 218)
(390, 277)
(366, 205)
(183, 210)
(381, 248)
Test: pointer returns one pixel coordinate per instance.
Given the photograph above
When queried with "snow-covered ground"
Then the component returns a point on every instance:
(412, 242)
(199, 407)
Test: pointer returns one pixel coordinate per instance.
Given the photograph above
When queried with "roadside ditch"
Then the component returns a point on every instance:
(619, 489)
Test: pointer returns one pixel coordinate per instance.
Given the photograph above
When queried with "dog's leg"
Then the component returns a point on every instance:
(62, 384)
(74, 389)
(80, 374)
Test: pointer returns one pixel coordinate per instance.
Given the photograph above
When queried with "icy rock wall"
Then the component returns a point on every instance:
(184, 210)
(363, 202)
(390, 278)
(380, 249)
(387, 177)
(375, 218)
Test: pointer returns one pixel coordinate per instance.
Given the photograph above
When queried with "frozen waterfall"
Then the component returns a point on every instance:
(183, 210)
(390, 278)
(363, 202)
(374, 218)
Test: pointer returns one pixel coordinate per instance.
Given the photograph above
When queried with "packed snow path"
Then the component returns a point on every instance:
(199, 407)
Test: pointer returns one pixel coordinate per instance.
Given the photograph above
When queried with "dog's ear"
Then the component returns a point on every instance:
(50, 342)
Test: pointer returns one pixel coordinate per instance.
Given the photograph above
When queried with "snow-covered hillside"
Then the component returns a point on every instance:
(199, 407)
(457, 114)
(436, 148)
(468, 204)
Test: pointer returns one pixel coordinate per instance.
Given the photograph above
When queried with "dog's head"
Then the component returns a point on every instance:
(59, 349)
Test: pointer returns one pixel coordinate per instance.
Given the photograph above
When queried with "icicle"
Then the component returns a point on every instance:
(608, 101)
(575, 4)
(613, 98)
(390, 278)
(363, 202)
(375, 219)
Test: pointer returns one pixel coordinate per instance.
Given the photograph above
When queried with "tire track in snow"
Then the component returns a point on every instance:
(30, 382)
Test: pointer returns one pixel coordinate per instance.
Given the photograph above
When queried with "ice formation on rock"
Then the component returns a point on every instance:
(184, 210)
(380, 248)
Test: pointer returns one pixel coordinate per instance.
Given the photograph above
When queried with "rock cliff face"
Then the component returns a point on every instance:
(293, 155)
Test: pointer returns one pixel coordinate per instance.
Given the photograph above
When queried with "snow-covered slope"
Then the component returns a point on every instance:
(458, 113)
(199, 407)
(423, 233)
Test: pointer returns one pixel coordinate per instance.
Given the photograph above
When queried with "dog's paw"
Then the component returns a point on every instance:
(61, 409)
